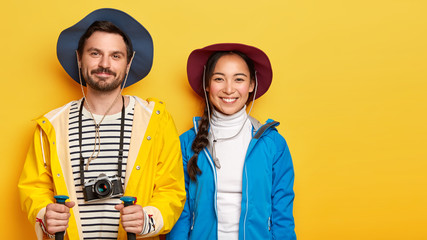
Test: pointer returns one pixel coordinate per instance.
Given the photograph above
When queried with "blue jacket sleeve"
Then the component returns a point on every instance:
(282, 222)
(182, 227)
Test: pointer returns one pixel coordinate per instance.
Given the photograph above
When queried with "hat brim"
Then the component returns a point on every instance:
(140, 38)
(199, 57)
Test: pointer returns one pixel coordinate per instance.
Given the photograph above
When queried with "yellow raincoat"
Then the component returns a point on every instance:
(154, 168)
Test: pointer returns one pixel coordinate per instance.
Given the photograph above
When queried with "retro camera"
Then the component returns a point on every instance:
(102, 187)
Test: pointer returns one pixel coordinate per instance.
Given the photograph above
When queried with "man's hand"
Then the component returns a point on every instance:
(56, 217)
(132, 218)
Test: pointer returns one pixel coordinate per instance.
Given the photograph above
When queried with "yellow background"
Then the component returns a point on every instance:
(349, 89)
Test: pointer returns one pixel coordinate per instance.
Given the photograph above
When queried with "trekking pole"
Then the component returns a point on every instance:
(128, 201)
(61, 200)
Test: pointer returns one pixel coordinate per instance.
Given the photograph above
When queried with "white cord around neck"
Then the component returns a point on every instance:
(215, 140)
(98, 125)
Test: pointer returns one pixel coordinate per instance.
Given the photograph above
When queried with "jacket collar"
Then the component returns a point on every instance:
(258, 128)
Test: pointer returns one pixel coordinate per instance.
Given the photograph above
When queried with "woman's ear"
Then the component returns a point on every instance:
(251, 86)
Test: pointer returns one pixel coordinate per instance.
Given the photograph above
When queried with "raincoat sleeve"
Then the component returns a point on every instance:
(35, 183)
(182, 228)
(169, 191)
(282, 222)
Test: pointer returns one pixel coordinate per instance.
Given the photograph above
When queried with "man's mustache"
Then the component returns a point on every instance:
(103, 70)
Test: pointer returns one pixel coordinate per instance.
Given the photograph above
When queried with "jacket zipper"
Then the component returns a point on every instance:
(192, 224)
(247, 184)
(215, 179)
(247, 202)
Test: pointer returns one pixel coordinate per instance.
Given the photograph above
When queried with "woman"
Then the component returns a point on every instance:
(239, 174)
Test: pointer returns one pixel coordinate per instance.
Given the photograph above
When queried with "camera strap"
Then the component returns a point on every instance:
(122, 130)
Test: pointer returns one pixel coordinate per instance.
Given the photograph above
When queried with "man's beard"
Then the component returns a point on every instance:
(98, 85)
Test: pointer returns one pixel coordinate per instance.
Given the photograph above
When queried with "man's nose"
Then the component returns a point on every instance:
(104, 62)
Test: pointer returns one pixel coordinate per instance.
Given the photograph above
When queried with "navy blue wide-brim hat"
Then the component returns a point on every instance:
(140, 38)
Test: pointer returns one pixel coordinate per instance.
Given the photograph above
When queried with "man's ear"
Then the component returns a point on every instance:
(130, 63)
(128, 68)
(78, 60)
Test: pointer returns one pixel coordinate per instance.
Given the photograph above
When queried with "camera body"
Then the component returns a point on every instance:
(102, 187)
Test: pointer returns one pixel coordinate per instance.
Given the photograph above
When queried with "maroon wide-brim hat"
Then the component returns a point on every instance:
(199, 57)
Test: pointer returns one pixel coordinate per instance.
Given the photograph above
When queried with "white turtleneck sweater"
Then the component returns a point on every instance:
(231, 155)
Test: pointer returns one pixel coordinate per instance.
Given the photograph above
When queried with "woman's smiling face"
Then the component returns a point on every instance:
(230, 84)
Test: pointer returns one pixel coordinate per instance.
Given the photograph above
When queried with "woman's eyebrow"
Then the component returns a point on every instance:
(222, 74)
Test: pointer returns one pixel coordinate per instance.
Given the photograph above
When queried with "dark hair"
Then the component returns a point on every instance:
(108, 27)
(201, 140)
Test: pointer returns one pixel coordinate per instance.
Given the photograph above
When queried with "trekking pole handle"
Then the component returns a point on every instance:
(128, 201)
(60, 199)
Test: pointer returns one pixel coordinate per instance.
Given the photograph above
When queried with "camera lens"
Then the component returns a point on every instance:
(103, 188)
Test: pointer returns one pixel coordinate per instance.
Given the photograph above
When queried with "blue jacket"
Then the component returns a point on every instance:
(267, 190)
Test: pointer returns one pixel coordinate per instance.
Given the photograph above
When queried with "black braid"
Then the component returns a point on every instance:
(199, 143)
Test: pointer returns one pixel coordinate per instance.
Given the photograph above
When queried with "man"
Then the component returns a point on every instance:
(105, 145)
